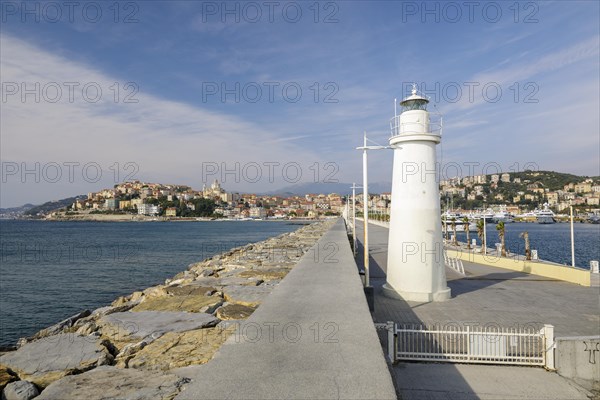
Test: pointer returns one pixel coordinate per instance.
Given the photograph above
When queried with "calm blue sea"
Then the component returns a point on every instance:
(552, 241)
(52, 270)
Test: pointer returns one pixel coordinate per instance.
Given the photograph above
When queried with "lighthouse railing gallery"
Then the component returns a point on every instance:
(433, 125)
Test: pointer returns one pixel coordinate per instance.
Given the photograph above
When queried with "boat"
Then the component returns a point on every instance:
(449, 216)
(593, 218)
(503, 216)
(545, 216)
(488, 215)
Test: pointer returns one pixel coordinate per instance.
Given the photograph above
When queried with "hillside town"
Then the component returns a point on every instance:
(172, 201)
(514, 193)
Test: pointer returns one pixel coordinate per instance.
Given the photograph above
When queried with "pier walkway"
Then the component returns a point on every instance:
(312, 338)
(485, 296)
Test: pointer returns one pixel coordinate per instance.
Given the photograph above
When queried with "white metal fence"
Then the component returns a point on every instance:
(478, 345)
(454, 263)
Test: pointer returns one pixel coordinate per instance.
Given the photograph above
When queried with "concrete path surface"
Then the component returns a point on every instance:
(424, 381)
(485, 296)
(312, 338)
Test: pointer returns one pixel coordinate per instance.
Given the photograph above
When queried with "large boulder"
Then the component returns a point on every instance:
(55, 329)
(21, 390)
(131, 327)
(192, 303)
(234, 312)
(189, 290)
(265, 274)
(115, 383)
(246, 295)
(49, 359)
(180, 349)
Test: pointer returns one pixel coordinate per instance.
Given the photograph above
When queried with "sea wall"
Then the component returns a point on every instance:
(555, 271)
(131, 346)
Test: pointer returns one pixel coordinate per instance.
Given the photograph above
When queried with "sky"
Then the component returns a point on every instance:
(265, 95)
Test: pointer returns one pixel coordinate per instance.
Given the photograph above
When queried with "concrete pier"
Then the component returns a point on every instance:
(312, 338)
(486, 296)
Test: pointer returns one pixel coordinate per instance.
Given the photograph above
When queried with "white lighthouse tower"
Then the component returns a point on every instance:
(415, 267)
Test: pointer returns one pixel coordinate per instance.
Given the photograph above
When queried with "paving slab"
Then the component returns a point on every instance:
(426, 381)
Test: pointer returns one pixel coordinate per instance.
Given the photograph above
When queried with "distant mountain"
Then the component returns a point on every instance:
(342, 188)
(51, 206)
(14, 212)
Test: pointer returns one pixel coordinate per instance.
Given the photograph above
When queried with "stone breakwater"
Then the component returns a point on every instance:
(127, 349)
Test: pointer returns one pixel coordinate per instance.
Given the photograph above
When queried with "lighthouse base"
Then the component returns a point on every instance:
(421, 297)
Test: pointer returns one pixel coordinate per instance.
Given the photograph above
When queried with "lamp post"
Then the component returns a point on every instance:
(354, 187)
(572, 236)
(364, 148)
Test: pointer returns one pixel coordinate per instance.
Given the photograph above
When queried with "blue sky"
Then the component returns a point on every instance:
(177, 56)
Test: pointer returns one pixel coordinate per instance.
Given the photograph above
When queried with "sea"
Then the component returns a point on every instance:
(552, 241)
(52, 270)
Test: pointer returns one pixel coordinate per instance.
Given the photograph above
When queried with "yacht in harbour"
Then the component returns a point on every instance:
(449, 216)
(488, 215)
(503, 216)
(545, 216)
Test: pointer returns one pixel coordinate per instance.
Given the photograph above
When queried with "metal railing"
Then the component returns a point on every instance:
(455, 263)
(478, 345)
(433, 126)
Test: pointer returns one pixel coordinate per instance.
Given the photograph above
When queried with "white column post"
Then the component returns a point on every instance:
(549, 346)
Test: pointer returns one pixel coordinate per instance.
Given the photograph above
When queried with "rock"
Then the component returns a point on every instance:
(180, 349)
(210, 309)
(128, 327)
(246, 295)
(6, 376)
(155, 291)
(207, 272)
(99, 312)
(87, 329)
(127, 352)
(188, 290)
(226, 281)
(234, 312)
(21, 390)
(56, 328)
(267, 274)
(46, 360)
(115, 383)
(176, 303)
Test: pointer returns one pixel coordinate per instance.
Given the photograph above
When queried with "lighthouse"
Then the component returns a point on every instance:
(415, 266)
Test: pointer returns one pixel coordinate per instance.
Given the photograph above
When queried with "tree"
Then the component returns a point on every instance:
(501, 234)
(481, 233)
(525, 236)
(465, 221)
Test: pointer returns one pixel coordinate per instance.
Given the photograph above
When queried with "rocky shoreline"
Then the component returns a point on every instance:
(130, 348)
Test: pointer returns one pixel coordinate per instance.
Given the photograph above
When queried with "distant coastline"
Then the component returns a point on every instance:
(145, 218)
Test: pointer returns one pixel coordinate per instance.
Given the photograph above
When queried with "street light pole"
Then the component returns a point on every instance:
(572, 237)
(354, 187)
(364, 148)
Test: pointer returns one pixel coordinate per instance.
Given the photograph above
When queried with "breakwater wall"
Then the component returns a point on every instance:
(132, 344)
(576, 275)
